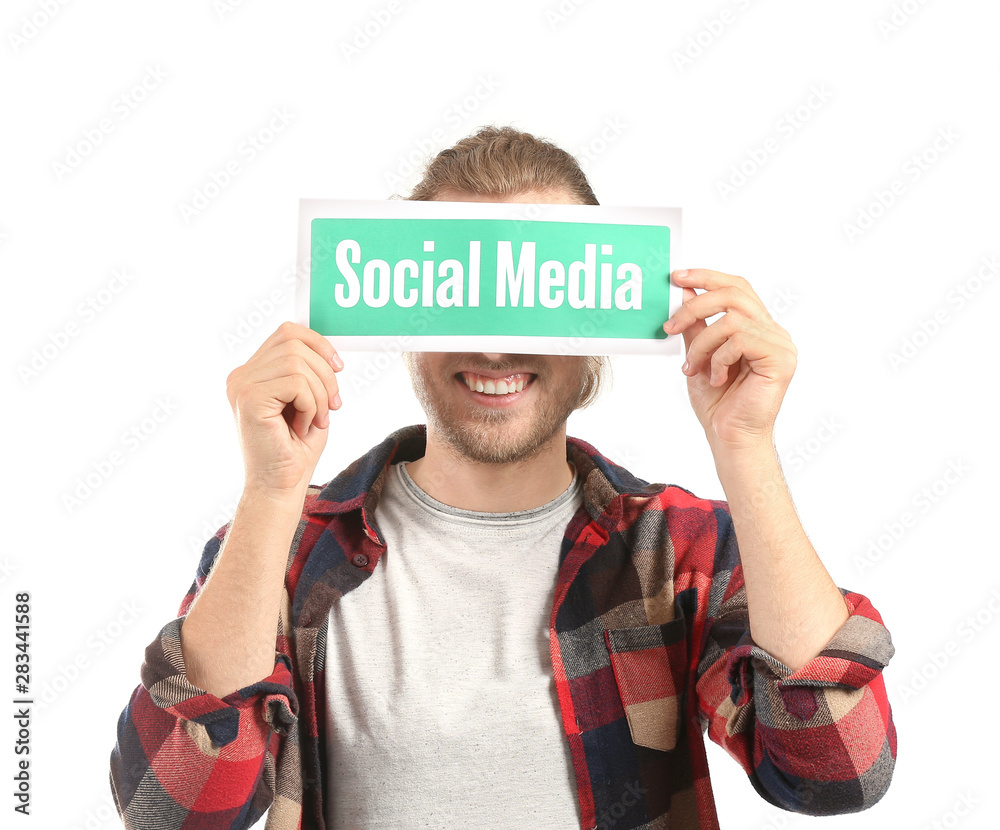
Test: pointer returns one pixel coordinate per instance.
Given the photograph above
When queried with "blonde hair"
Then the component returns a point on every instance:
(505, 162)
(502, 161)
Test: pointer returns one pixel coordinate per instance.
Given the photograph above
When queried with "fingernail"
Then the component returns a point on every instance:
(668, 325)
(680, 274)
(686, 367)
(337, 362)
(337, 401)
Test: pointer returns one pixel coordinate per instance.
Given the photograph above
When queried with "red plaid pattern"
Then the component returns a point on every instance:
(650, 648)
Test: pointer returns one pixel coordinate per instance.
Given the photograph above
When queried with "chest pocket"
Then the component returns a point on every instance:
(650, 666)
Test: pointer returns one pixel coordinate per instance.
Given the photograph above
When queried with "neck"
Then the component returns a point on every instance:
(453, 479)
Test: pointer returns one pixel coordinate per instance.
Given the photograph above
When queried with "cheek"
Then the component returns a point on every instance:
(576, 379)
(430, 371)
(564, 388)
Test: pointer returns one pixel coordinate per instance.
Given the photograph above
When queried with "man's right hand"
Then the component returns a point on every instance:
(281, 399)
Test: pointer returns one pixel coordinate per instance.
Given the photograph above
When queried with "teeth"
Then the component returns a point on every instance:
(489, 386)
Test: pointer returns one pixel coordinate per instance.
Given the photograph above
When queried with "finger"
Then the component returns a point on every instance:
(763, 357)
(268, 365)
(323, 389)
(709, 280)
(296, 392)
(295, 359)
(727, 355)
(289, 331)
(732, 332)
(281, 398)
(717, 301)
(692, 330)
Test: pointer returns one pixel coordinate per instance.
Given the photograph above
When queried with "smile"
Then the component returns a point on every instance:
(505, 385)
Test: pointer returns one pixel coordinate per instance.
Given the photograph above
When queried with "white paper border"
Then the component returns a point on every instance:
(310, 209)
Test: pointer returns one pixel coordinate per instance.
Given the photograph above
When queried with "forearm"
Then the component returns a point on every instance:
(228, 635)
(794, 605)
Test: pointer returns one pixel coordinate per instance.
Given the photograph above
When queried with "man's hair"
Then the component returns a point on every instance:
(502, 161)
(505, 162)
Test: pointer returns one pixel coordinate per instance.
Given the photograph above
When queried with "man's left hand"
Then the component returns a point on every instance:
(739, 366)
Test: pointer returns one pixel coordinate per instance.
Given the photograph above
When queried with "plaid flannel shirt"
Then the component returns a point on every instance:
(650, 648)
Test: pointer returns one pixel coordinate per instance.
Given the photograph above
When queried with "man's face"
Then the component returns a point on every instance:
(498, 408)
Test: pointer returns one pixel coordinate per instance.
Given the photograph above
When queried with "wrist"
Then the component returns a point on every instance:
(755, 466)
(748, 452)
(256, 498)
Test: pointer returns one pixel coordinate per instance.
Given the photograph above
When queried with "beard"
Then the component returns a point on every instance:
(496, 436)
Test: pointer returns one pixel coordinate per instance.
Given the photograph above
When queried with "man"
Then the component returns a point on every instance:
(483, 623)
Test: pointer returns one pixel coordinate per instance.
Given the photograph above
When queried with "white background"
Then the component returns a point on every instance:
(867, 441)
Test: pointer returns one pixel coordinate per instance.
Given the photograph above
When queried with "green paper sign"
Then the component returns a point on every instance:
(450, 273)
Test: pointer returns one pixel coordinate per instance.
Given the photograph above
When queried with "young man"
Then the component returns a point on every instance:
(484, 623)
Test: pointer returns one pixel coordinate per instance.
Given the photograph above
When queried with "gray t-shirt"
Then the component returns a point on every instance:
(442, 708)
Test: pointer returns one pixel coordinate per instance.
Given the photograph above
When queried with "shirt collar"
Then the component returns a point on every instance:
(360, 484)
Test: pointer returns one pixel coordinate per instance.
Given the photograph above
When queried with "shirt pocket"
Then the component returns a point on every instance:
(650, 666)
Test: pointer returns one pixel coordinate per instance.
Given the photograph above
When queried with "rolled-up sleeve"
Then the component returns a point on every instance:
(186, 758)
(819, 740)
